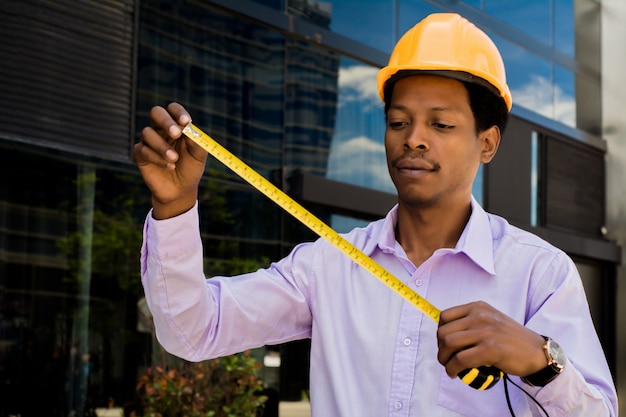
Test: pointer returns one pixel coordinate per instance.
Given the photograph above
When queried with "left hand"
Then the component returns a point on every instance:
(477, 334)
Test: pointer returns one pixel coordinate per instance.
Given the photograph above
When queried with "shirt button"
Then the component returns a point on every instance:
(418, 282)
(406, 341)
(398, 405)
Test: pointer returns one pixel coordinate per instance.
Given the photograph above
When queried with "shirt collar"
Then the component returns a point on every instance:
(476, 240)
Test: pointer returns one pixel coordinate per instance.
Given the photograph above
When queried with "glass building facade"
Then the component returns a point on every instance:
(289, 87)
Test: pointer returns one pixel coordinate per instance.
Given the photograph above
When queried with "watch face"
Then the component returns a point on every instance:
(555, 351)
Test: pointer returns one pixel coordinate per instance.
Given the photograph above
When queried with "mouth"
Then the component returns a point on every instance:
(415, 166)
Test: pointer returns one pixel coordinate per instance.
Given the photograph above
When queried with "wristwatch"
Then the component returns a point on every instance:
(556, 362)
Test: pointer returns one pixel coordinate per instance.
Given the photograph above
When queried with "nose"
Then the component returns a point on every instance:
(416, 139)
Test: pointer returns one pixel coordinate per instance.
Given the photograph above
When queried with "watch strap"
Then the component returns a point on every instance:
(543, 376)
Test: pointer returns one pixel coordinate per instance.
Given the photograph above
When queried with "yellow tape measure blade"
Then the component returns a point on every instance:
(326, 232)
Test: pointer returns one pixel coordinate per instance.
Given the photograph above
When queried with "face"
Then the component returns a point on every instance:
(433, 150)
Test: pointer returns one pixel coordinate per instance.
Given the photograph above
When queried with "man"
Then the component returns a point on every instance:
(507, 296)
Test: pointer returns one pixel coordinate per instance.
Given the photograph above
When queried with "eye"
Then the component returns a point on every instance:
(442, 126)
(397, 124)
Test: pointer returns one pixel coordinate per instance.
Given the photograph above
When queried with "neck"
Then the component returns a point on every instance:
(422, 230)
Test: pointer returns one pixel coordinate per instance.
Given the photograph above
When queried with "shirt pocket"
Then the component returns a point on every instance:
(466, 401)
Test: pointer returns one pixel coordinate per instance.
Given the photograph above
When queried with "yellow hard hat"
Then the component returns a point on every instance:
(448, 42)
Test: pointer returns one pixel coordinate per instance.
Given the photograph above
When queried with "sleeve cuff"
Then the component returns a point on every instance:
(169, 238)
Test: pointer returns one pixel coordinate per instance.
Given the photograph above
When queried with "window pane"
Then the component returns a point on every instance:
(564, 96)
(411, 12)
(532, 17)
(311, 106)
(370, 22)
(357, 151)
(477, 185)
(343, 224)
(479, 4)
(529, 78)
(564, 26)
(534, 178)
(274, 4)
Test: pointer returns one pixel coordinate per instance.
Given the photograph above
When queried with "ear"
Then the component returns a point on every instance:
(490, 141)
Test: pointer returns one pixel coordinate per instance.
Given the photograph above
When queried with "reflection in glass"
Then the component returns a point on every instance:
(317, 12)
(529, 78)
(479, 4)
(534, 179)
(411, 12)
(564, 26)
(310, 106)
(370, 22)
(533, 17)
(344, 224)
(477, 185)
(274, 4)
(357, 151)
(564, 96)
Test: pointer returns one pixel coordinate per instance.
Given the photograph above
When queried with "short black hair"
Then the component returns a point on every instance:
(489, 109)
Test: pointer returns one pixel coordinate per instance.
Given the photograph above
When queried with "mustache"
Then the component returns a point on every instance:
(416, 155)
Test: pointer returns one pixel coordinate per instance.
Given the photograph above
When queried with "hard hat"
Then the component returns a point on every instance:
(444, 42)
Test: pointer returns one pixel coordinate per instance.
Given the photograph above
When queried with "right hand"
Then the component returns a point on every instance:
(171, 164)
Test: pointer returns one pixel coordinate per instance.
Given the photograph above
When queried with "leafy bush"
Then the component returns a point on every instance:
(223, 387)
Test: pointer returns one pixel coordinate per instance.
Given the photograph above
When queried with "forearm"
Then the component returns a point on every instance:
(174, 284)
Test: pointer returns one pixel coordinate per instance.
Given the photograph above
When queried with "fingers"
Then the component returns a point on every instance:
(156, 145)
(179, 114)
(478, 334)
(169, 120)
(154, 149)
(462, 334)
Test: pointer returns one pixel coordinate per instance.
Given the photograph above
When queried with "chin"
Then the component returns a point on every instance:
(418, 201)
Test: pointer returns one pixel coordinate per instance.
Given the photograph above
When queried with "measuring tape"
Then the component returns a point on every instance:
(480, 378)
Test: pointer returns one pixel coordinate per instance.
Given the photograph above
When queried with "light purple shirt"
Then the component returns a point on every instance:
(373, 353)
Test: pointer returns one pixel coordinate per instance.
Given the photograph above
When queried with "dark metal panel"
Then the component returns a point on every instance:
(507, 177)
(576, 245)
(67, 71)
(575, 187)
(571, 200)
(558, 128)
(340, 197)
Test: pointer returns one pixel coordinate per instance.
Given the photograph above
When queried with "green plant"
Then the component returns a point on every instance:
(223, 387)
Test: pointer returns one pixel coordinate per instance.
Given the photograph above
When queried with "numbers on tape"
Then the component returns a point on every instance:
(480, 378)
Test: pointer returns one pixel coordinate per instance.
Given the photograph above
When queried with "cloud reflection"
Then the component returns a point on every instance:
(357, 83)
(360, 161)
(542, 97)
